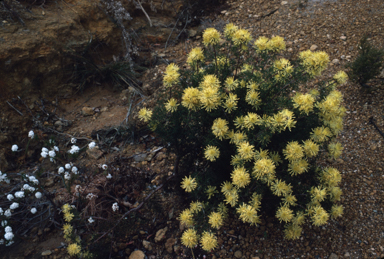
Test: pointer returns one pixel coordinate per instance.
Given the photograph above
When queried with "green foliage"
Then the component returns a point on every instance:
(249, 139)
(367, 64)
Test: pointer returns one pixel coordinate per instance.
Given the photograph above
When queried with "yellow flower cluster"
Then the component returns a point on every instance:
(208, 241)
(211, 37)
(186, 217)
(73, 249)
(210, 191)
(335, 150)
(314, 62)
(220, 128)
(248, 214)
(195, 56)
(275, 44)
(211, 153)
(283, 69)
(241, 38)
(190, 98)
(171, 105)
(320, 134)
(240, 177)
(281, 121)
(340, 77)
(304, 102)
(145, 114)
(230, 30)
(171, 76)
(215, 220)
(196, 206)
(231, 84)
(284, 213)
(230, 103)
(189, 184)
(68, 215)
(67, 230)
(332, 112)
(189, 238)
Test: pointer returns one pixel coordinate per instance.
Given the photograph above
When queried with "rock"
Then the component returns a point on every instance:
(290, 50)
(335, 61)
(46, 253)
(87, 111)
(147, 245)
(347, 254)
(49, 182)
(238, 254)
(104, 109)
(313, 47)
(138, 254)
(343, 37)
(333, 256)
(94, 153)
(160, 234)
(58, 123)
(192, 33)
(140, 157)
(255, 257)
(169, 244)
(284, 2)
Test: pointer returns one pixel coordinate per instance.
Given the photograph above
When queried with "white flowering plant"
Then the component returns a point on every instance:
(247, 130)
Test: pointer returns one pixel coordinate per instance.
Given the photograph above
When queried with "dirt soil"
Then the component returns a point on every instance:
(331, 26)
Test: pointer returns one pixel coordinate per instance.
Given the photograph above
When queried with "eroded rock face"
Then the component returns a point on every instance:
(33, 57)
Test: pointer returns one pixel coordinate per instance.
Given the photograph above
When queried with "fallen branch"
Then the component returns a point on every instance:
(15, 109)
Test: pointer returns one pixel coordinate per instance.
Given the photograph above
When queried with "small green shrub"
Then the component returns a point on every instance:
(249, 141)
(367, 64)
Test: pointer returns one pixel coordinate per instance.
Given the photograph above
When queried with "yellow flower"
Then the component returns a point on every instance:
(341, 77)
(231, 84)
(320, 216)
(320, 134)
(73, 249)
(297, 167)
(68, 216)
(275, 158)
(331, 176)
(240, 177)
(283, 69)
(261, 44)
(335, 193)
(223, 209)
(238, 137)
(211, 153)
(232, 197)
(337, 211)
(230, 103)
(215, 219)
(171, 105)
(189, 238)
(245, 150)
(255, 201)
(210, 81)
(289, 200)
(226, 187)
(263, 167)
(172, 75)
(248, 214)
(318, 194)
(311, 149)
(280, 188)
(252, 119)
(299, 219)
(292, 231)
(222, 62)
(196, 206)
(304, 102)
(253, 86)
(195, 55)
(211, 37)
(186, 218)
(188, 184)
(239, 122)
(230, 29)
(276, 44)
(208, 241)
(293, 151)
(145, 114)
(237, 160)
(284, 214)
(220, 128)
(241, 38)
(253, 98)
(210, 191)
(67, 229)
(210, 98)
(190, 98)
(335, 150)
(314, 62)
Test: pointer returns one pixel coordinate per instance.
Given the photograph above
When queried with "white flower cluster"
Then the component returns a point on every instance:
(91, 145)
(14, 148)
(74, 149)
(109, 176)
(8, 235)
(3, 178)
(51, 153)
(31, 134)
(73, 140)
(90, 196)
(115, 206)
(91, 220)
(70, 168)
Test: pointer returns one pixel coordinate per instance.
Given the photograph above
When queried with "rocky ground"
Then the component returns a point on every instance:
(332, 26)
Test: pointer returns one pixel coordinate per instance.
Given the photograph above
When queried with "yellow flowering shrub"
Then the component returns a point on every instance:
(243, 131)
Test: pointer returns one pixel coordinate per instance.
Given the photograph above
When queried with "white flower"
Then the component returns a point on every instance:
(67, 176)
(52, 153)
(105, 167)
(91, 145)
(19, 194)
(115, 206)
(4, 223)
(91, 220)
(1, 211)
(26, 187)
(109, 176)
(9, 243)
(56, 148)
(73, 140)
(3, 177)
(68, 166)
(75, 170)
(44, 149)
(15, 148)
(90, 196)
(8, 236)
(8, 229)
(33, 210)
(31, 134)
(61, 170)
(74, 149)
(44, 154)
(14, 206)
(8, 213)
(38, 195)
(10, 197)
